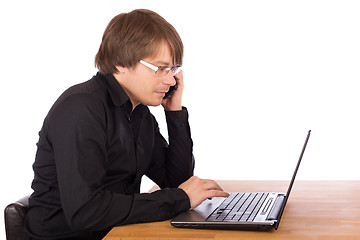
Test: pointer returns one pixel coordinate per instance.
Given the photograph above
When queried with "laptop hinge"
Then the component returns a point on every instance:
(276, 209)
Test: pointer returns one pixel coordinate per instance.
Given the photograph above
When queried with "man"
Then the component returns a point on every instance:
(99, 139)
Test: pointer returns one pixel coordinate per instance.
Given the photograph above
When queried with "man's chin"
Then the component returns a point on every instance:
(153, 103)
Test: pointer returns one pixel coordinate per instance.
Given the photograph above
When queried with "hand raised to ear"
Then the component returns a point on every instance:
(174, 102)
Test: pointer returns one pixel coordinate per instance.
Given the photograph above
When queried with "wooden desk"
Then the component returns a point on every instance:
(315, 210)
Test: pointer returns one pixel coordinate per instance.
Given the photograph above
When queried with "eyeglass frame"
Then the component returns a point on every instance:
(165, 69)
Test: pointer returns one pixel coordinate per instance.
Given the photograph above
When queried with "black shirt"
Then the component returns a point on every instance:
(92, 153)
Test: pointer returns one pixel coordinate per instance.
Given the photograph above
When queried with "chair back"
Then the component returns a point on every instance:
(15, 214)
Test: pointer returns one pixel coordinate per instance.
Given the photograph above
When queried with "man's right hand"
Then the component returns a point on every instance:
(200, 189)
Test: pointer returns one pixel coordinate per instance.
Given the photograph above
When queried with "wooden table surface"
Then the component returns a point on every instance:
(315, 210)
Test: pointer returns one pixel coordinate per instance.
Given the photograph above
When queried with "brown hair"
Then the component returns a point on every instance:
(132, 36)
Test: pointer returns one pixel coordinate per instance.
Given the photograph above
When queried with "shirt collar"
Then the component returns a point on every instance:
(117, 93)
(119, 96)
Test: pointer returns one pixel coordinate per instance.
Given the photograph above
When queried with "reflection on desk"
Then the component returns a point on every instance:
(315, 210)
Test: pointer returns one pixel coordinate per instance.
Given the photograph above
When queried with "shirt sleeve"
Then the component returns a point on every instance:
(173, 163)
(77, 133)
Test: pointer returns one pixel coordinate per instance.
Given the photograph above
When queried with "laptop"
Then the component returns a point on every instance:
(240, 211)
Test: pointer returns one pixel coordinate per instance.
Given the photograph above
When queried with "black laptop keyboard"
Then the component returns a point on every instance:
(238, 207)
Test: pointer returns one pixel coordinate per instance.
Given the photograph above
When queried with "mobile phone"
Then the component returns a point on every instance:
(171, 91)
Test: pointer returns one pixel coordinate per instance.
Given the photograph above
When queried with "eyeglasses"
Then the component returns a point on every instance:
(162, 70)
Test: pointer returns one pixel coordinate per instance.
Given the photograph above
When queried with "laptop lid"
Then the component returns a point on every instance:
(197, 217)
(292, 180)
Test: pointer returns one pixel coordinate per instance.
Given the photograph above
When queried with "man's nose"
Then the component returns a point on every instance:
(169, 80)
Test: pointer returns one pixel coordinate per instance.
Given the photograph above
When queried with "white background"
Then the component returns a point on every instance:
(258, 75)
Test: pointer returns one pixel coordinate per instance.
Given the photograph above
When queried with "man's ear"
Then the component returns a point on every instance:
(121, 69)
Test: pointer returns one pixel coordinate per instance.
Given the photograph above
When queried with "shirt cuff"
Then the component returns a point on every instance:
(179, 116)
(177, 121)
(183, 204)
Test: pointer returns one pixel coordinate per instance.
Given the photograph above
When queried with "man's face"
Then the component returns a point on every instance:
(142, 84)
